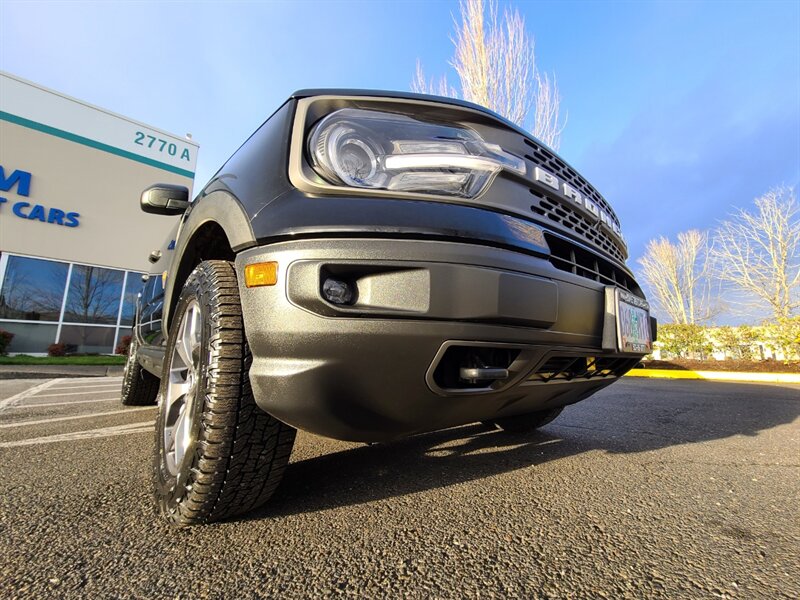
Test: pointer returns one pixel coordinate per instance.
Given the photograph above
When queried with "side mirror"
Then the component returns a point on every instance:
(165, 199)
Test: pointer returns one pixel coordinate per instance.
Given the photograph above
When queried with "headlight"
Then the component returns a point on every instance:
(378, 150)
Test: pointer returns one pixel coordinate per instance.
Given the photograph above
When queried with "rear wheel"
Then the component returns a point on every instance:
(216, 454)
(526, 423)
(139, 387)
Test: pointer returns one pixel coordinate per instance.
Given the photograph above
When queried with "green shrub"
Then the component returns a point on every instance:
(124, 346)
(57, 350)
(735, 342)
(5, 340)
(686, 341)
(784, 337)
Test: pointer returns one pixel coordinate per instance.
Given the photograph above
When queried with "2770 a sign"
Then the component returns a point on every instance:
(161, 145)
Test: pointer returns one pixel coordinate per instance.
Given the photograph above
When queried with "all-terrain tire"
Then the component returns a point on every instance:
(139, 387)
(527, 423)
(238, 453)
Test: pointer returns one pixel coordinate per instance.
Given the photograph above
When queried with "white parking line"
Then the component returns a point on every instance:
(144, 427)
(69, 394)
(8, 402)
(89, 416)
(85, 387)
(70, 403)
(79, 382)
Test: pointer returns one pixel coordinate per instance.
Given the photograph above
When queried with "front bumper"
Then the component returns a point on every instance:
(378, 370)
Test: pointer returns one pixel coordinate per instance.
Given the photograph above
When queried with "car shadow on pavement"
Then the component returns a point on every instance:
(626, 418)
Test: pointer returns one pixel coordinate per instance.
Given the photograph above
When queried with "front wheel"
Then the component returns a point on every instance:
(526, 423)
(216, 453)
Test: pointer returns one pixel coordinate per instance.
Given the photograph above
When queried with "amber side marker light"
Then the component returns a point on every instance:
(261, 274)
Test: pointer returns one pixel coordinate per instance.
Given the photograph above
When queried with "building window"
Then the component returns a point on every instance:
(87, 308)
(94, 295)
(30, 337)
(85, 339)
(33, 289)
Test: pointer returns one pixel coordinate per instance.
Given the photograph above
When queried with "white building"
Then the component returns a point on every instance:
(73, 241)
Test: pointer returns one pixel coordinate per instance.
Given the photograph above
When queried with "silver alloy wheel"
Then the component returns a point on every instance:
(181, 388)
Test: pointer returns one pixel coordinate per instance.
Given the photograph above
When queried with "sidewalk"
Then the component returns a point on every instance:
(716, 375)
(53, 371)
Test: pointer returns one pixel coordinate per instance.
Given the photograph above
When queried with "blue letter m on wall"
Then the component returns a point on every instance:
(22, 179)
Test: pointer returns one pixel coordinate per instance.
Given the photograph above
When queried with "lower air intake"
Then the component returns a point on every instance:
(583, 368)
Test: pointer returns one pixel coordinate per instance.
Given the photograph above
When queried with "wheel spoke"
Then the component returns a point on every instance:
(182, 344)
(177, 386)
(182, 433)
(194, 328)
(196, 337)
(169, 439)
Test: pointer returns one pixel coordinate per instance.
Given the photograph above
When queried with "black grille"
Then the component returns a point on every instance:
(570, 368)
(573, 221)
(549, 161)
(569, 257)
(561, 214)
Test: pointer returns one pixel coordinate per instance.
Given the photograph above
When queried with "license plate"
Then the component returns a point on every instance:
(628, 321)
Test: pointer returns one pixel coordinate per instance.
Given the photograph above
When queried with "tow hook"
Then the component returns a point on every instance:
(476, 374)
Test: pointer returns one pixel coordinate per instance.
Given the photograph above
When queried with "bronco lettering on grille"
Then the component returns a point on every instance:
(570, 193)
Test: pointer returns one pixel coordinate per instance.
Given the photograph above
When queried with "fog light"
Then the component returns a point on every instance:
(338, 292)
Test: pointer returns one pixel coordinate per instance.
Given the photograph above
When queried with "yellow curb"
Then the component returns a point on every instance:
(716, 375)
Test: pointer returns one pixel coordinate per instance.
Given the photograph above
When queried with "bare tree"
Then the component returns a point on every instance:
(496, 66)
(678, 276)
(437, 88)
(94, 295)
(758, 253)
(33, 292)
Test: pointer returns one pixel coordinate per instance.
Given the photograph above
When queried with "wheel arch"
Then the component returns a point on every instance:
(216, 228)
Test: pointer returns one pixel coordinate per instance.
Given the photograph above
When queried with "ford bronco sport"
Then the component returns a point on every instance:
(368, 266)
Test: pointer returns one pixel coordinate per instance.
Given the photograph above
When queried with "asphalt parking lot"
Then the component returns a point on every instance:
(651, 489)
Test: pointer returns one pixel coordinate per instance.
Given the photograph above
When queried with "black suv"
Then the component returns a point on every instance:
(368, 266)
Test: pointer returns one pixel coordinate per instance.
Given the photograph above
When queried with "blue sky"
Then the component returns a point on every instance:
(677, 111)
